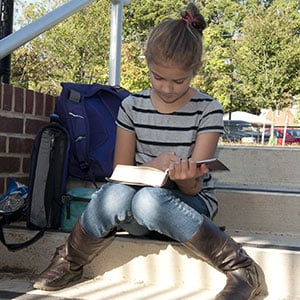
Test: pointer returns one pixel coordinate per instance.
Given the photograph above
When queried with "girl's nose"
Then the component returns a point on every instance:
(167, 87)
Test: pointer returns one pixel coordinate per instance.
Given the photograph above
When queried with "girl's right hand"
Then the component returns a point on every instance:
(163, 161)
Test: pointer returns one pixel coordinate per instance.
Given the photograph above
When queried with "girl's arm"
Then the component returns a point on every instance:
(185, 173)
(125, 147)
(206, 145)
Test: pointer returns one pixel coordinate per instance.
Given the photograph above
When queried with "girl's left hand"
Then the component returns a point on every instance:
(186, 169)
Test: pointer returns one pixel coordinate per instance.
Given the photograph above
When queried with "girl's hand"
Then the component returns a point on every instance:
(186, 169)
(163, 161)
(187, 175)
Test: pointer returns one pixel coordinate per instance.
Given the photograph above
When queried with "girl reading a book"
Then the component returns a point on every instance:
(168, 126)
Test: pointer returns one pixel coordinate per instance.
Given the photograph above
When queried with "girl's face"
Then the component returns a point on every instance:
(170, 82)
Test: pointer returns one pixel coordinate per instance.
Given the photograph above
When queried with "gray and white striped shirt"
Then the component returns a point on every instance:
(177, 132)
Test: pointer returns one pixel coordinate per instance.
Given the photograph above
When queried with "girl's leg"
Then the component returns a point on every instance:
(167, 212)
(92, 234)
(109, 208)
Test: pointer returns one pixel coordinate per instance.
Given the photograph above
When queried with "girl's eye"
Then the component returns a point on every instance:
(158, 78)
(179, 81)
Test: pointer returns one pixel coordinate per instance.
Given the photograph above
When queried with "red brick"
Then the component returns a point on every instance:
(19, 100)
(2, 180)
(26, 165)
(29, 102)
(33, 126)
(39, 104)
(9, 164)
(1, 90)
(49, 105)
(13, 125)
(19, 145)
(2, 144)
(7, 97)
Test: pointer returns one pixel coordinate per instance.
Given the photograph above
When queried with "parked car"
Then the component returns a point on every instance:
(241, 132)
(295, 132)
(292, 135)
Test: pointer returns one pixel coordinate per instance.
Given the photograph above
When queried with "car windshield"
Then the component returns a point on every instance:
(241, 127)
(294, 132)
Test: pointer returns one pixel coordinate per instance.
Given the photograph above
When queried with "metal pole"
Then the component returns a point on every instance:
(29, 32)
(231, 101)
(115, 42)
(229, 62)
(6, 27)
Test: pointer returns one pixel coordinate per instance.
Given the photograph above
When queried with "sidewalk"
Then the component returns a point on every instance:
(19, 287)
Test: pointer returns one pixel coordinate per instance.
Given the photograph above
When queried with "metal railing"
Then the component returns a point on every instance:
(13, 41)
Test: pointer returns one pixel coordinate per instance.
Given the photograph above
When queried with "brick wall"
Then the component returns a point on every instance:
(22, 114)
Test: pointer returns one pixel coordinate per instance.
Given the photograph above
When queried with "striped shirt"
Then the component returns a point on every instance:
(177, 132)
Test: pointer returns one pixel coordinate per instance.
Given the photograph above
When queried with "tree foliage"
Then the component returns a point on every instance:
(75, 50)
(251, 49)
(268, 59)
(259, 40)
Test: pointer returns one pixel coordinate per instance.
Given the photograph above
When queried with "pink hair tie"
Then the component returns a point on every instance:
(188, 18)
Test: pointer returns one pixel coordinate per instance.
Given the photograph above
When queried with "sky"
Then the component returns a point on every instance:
(18, 8)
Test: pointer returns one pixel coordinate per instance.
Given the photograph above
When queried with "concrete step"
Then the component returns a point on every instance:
(259, 211)
(151, 269)
(261, 193)
(270, 168)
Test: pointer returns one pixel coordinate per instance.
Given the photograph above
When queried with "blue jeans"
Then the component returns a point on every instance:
(140, 210)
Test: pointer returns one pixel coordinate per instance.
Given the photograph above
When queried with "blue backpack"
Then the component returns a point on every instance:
(89, 112)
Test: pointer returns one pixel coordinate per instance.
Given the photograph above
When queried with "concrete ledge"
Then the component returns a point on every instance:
(256, 211)
(261, 193)
(270, 168)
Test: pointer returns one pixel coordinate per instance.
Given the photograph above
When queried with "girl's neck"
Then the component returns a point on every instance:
(169, 107)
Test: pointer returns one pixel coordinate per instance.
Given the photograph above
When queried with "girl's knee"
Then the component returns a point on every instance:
(111, 198)
(146, 203)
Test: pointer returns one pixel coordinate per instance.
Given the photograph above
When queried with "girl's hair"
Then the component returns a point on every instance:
(178, 41)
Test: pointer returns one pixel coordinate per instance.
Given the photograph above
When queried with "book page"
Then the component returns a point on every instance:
(138, 175)
(148, 176)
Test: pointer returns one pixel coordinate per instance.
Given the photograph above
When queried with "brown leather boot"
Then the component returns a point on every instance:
(245, 279)
(69, 259)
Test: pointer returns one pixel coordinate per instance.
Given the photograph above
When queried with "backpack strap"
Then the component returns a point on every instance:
(81, 145)
(19, 246)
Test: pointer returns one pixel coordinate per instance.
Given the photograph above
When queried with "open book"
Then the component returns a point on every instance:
(148, 176)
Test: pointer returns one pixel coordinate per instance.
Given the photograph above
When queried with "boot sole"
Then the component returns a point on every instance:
(40, 286)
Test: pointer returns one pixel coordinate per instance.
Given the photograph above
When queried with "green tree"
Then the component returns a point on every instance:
(75, 50)
(259, 40)
(268, 59)
(263, 71)
(223, 18)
